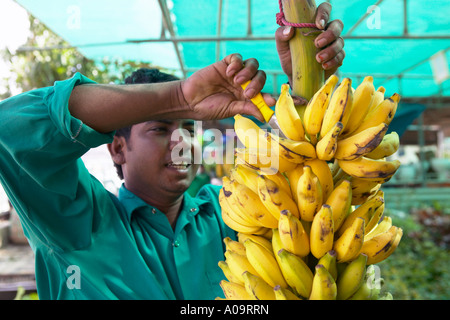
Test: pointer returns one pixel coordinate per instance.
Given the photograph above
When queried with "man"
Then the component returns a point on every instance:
(154, 241)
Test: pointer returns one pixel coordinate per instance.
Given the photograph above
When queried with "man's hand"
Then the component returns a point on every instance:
(215, 92)
(329, 41)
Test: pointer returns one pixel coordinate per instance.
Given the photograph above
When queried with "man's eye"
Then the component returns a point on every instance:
(158, 129)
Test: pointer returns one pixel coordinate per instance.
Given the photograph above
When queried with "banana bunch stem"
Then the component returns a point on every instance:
(307, 73)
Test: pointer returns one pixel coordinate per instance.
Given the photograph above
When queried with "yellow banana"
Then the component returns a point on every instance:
(256, 238)
(329, 262)
(296, 273)
(370, 169)
(257, 288)
(249, 204)
(328, 144)
(293, 176)
(238, 227)
(265, 264)
(349, 244)
(381, 227)
(245, 176)
(288, 118)
(373, 222)
(250, 134)
(339, 107)
(281, 181)
(365, 211)
(376, 247)
(234, 291)
(362, 99)
(238, 263)
(324, 287)
(360, 186)
(293, 151)
(293, 236)
(360, 144)
(268, 163)
(383, 113)
(322, 232)
(378, 97)
(235, 246)
(240, 199)
(309, 194)
(315, 110)
(228, 274)
(340, 201)
(284, 294)
(370, 287)
(387, 147)
(321, 169)
(274, 198)
(351, 279)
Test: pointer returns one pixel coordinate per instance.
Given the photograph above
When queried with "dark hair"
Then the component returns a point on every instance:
(142, 75)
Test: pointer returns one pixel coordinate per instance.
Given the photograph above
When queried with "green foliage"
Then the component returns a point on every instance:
(419, 269)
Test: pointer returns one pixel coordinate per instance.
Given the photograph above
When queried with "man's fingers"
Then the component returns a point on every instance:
(332, 32)
(335, 62)
(249, 69)
(331, 51)
(322, 15)
(256, 84)
(234, 64)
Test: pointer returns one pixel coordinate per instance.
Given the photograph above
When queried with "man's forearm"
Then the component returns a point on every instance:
(106, 108)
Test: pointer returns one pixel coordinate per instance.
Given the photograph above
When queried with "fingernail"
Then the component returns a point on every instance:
(250, 93)
(322, 57)
(322, 23)
(287, 30)
(321, 43)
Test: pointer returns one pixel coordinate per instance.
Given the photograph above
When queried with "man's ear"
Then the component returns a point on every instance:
(116, 150)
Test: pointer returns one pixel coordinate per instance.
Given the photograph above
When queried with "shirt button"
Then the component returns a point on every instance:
(193, 209)
(176, 243)
(153, 210)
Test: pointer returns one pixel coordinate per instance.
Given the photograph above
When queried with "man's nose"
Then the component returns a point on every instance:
(181, 138)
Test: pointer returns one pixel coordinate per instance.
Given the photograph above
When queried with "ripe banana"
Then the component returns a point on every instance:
(274, 198)
(340, 201)
(383, 113)
(250, 134)
(284, 294)
(378, 98)
(228, 274)
(379, 246)
(328, 144)
(349, 244)
(238, 264)
(293, 176)
(370, 169)
(293, 151)
(309, 194)
(339, 107)
(288, 118)
(351, 279)
(321, 169)
(256, 238)
(362, 98)
(387, 147)
(234, 291)
(315, 110)
(265, 264)
(360, 144)
(374, 219)
(296, 273)
(381, 227)
(330, 263)
(235, 246)
(257, 288)
(365, 211)
(322, 232)
(323, 287)
(293, 236)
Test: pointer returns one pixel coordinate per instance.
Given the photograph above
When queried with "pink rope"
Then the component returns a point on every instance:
(283, 22)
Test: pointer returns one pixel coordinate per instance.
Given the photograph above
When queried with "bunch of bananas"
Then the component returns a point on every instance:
(308, 208)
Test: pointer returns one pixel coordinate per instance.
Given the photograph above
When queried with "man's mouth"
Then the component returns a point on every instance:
(178, 165)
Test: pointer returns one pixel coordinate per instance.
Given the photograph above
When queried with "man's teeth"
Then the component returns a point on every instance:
(182, 165)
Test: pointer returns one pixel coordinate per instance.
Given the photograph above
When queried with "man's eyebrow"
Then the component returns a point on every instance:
(188, 122)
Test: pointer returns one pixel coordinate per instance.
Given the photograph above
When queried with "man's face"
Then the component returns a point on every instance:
(153, 164)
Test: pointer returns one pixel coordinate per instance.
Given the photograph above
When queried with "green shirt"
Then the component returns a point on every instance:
(88, 243)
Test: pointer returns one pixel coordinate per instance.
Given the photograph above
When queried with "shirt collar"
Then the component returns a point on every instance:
(132, 202)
